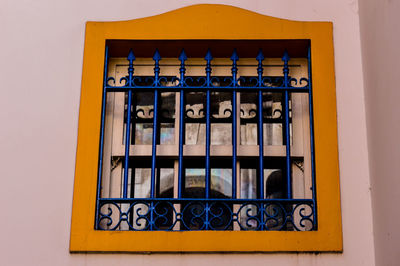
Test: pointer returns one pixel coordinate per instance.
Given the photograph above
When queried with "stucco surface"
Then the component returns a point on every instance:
(40, 66)
(380, 33)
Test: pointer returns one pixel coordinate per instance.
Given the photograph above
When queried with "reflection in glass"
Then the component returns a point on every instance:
(248, 183)
(167, 118)
(164, 182)
(143, 119)
(195, 118)
(248, 119)
(221, 183)
(274, 186)
(272, 119)
(272, 116)
(221, 118)
(141, 182)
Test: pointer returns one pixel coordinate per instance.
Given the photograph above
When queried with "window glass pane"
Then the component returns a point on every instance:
(164, 182)
(166, 187)
(167, 118)
(221, 183)
(248, 183)
(275, 184)
(273, 120)
(195, 128)
(142, 182)
(221, 118)
(195, 182)
(248, 119)
(143, 119)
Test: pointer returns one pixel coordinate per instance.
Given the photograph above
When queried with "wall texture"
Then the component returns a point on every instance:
(380, 33)
(40, 66)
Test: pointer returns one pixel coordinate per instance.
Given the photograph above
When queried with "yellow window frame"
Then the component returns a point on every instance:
(208, 22)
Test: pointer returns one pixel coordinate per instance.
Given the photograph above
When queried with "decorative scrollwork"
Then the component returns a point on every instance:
(110, 79)
(248, 82)
(248, 113)
(162, 81)
(109, 216)
(141, 216)
(249, 216)
(215, 82)
(273, 81)
(163, 216)
(143, 81)
(303, 217)
(106, 217)
(277, 111)
(125, 80)
(193, 216)
(227, 111)
(206, 215)
(200, 213)
(292, 81)
(187, 81)
(206, 80)
(195, 81)
(191, 113)
(275, 216)
(304, 80)
(146, 113)
(220, 216)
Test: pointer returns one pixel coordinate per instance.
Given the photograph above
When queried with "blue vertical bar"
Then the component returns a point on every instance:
(208, 58)
(156, 59)
(130, 58)
(260, 69)
(260, 58)
(234, 59)
(182, 71)
(285, 60)
(207, 212)
(310, 102)
(127, 144)
(260, 145)
(151, 210)
(208, 129)
(103, 116)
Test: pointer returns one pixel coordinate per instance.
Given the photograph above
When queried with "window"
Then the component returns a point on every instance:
(197, 189)
(200, 143)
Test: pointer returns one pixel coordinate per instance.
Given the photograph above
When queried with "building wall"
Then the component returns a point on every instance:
(41, 64)
(380, 36)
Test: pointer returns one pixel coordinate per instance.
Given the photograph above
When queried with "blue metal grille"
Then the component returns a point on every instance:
(186, 212)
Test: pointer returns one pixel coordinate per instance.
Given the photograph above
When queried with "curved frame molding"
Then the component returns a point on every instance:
(210, 22)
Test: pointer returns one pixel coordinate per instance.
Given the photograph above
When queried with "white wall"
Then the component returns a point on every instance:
(40, 64)
(380, 36)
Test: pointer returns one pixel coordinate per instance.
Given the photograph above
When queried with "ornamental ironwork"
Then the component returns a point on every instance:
(267, 210)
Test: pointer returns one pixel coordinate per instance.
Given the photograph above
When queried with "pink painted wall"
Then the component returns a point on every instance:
(380, 37)
(40, 64)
